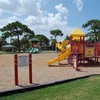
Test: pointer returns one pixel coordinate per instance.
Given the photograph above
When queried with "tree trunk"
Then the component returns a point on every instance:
(96, 38)
(55, 38)
(18, 43)
(27, 43)
(11, 40)
(55, 44)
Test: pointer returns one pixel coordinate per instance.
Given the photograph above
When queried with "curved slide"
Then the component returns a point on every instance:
(61, 48)
(61, 57)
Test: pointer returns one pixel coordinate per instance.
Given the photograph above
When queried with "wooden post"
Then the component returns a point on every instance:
(16, 69)
(30, 68)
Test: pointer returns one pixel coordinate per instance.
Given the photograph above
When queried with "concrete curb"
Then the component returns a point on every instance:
(31, 88)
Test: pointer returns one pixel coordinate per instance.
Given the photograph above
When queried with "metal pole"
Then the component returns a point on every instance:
(16, 69)
(30, 68)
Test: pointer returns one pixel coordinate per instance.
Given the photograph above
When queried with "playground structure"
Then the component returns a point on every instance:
(35, 46)
(77, 50)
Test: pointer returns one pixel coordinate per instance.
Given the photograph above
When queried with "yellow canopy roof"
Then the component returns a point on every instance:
(77, 33)
(76, 38)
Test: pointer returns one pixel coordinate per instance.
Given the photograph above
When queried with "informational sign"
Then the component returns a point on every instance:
(89, 51)
(23, 60)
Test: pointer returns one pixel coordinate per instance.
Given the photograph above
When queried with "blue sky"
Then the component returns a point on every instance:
(45, 15)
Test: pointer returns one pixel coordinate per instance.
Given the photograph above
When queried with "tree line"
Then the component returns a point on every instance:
(20, 34)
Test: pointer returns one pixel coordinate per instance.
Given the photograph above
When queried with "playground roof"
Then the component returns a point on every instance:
(34, 39)
(77, 33)
(8, 46)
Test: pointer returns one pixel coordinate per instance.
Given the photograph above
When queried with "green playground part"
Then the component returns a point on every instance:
(34, 50)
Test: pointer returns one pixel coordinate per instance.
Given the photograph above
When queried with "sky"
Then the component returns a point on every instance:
(41, 16)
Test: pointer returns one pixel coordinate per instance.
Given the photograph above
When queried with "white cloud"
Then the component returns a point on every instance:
(30, 13)
(1, 11)
(61, 9)
(5, 1)
(45, 22)
(31, 7)
(7, 20)
(8, 6)
(79, 4)
(21, 7)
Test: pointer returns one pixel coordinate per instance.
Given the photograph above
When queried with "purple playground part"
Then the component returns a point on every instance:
(80, 53)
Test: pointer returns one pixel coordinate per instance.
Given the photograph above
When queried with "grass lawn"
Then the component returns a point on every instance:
(2, 52)
(82, 89)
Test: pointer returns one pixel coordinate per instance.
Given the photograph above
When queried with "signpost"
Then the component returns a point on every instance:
(21, 61)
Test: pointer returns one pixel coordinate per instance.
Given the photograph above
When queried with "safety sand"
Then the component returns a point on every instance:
(42, 73)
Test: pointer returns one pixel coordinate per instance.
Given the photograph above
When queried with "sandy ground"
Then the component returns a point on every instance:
(42, 73)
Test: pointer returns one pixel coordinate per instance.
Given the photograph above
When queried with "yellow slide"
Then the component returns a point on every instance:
(60, 47)
(62, 56)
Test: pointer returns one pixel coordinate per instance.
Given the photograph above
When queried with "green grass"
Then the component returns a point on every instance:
(82, 89)
(2, 52)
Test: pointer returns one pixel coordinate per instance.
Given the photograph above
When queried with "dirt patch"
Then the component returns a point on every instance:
(41, 72)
